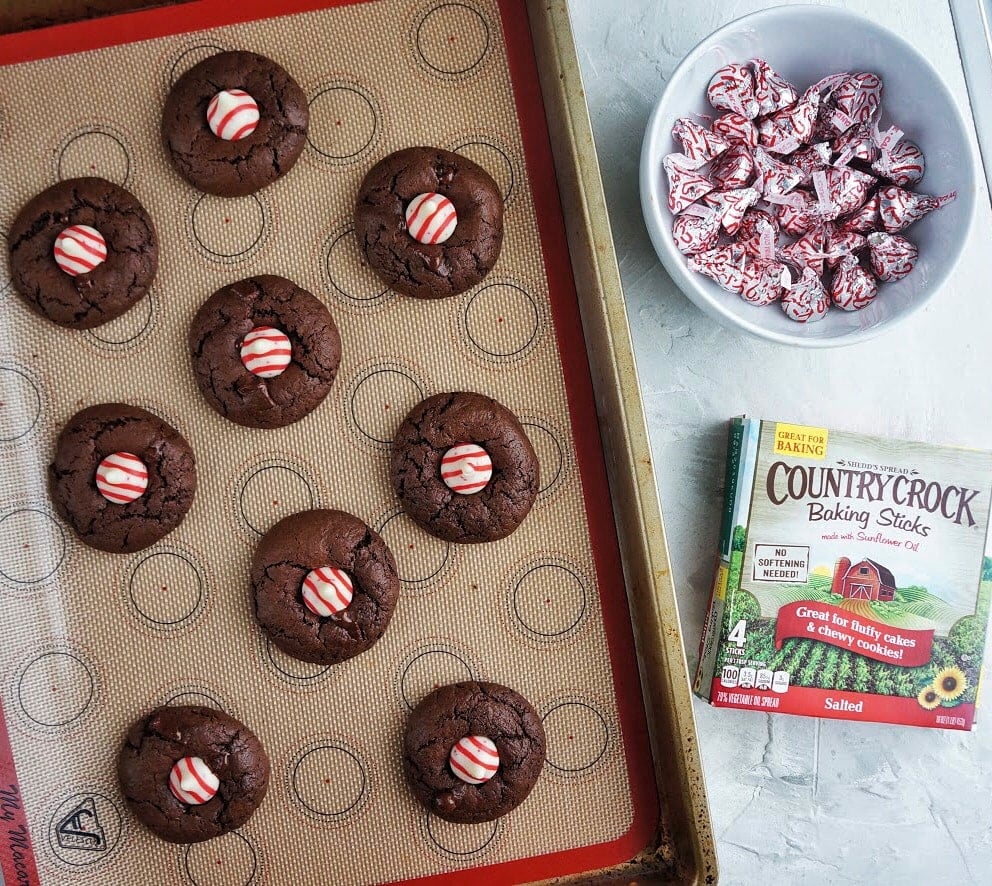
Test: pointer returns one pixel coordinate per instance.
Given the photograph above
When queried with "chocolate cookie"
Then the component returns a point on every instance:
(191, 773)
(473, 751)
(248, 137)
(429, 222)
(463, 468)
(265, 351)
(122, 478)
(82, 252)
(324, 586)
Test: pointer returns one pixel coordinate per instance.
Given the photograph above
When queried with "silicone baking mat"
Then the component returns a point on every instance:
(93, 640)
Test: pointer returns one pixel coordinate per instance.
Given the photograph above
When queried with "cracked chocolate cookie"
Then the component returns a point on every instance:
(265, 352)
(429, 222)
(473, 751)
(191, 773)
(234, 123)
(122, 478)
(463, 468)
(82, 252)
(324, 586)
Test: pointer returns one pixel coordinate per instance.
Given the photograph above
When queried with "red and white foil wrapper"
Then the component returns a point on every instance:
(764, 282)
(266, 351)
(858, 97)
(736, 128)
(734, 168)
(725, 265)
(858, 143)
(806, 300)
(900, 208)
(474, 759)
(232, 115)
(771, 90)
(122, 478)
(685, 184)
(192, 782)
(774, 179)
(466, 468)
(842, 244)
(899, 160)
(698, 144)
(732, 206)
(732, 89)
(787, 130)
(809, 160)
(697, 229)
(863, 220)
(79, 249)
(431, 218)
(808, 252)
(795, 212)
(840, 190)
(891, 257)
(327, 590)
(758, 235)
(852, 287)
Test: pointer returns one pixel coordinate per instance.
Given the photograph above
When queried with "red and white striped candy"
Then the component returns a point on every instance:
(79, 249)
(685, 184)
(327, 590)
(122, 478)
(431, 218)
(232, 114)
(266, 351)
(466, 468)
(474, 759)
(192, 782)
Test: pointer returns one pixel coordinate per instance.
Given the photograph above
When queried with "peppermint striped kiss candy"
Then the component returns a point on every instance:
(266, 352)
(327, 590)
(232, 114)
(79, 249)
(122, 478)
(431, 218)
(474, 759)
(192, 782)
(466, 468)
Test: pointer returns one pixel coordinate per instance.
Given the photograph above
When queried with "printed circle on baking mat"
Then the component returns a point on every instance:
(379, 399)
(189, 57)
(269, 491)
(20, 403)
(578, 736)
(501, 321)
(291, 670)
(460, 842)
(451, 40)
(228, 229)
(329, 781)
(85, 829)
(229, 860)
(55, 688)
(549, 599)
(492, 157)
(126, 331)
(351, 280)
(430, 667)
(344, 122)
(95, 151)
(195, 695)
(166, 588)
(421, 559)
(33, 546)
(552, 456)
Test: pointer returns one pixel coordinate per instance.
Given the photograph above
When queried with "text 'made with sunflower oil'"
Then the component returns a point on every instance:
(854, 578)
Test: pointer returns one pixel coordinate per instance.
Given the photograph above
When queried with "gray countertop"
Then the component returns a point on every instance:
(796, 799)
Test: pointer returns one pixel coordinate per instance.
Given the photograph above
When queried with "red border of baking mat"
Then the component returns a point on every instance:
(170, 20)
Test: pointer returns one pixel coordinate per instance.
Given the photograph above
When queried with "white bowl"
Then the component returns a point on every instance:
(804, 44)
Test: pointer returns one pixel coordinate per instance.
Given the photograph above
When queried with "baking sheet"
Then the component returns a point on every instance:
(100, 639)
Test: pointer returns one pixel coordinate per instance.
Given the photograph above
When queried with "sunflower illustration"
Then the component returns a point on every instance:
(950, 683)
(928, 698)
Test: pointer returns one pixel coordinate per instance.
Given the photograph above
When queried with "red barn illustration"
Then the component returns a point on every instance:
(866, 580)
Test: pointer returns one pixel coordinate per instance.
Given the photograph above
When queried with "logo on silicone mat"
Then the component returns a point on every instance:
(81, 829)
